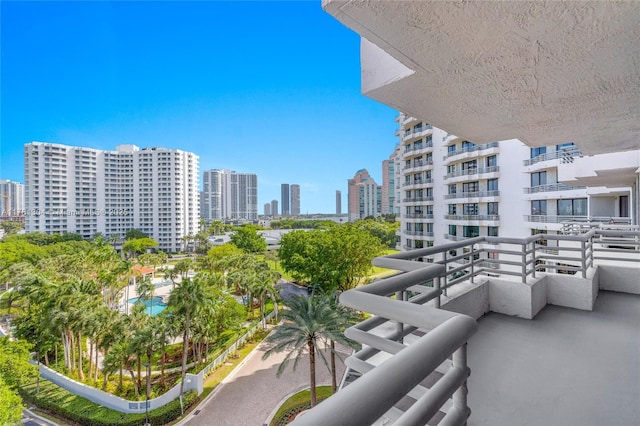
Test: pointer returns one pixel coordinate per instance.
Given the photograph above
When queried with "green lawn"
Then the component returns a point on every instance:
(298, 402)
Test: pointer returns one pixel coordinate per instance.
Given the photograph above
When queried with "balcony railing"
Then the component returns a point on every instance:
(418, 216)
(418, 233)
(472, 217)
(473, 171)
(473, 148)
(566, 154)
(418, 182)
(550, 188)
(476, 194)
(417, 199)
(442, 334)
(416, 131)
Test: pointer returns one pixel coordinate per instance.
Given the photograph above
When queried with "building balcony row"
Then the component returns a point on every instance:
(416, 199)
(417, 216)
(550, 188)
(418, 166)
(417, 233)
(474, 148)
(473, 171)
(417, 132)
(473, 217)
(566, 154)
(477, 194)
(417, 182)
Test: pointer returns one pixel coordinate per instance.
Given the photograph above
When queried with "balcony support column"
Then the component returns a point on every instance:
(524, 263)
(460, 395)
(402, 296)
(436, 285)
(583, 245)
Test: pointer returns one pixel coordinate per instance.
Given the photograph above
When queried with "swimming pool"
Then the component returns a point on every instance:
(153, 306)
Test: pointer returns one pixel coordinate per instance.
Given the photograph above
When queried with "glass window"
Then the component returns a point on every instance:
(492, 161)
(539, 207)
(492, 185)
(471, 231)
(452, 189)
(539, 178)
(430, 209)
(492, 231)
(492, 208)
(429, 227)
(451, 168)
(453, 230)
(572, 207)
(471, 186)
(470, 209)
(451, 149)
(535, 152)
(452, 209)
(466, 145)
(470, 165)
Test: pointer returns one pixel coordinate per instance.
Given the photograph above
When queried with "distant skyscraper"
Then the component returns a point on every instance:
(11, 200)
(229, 195)
(338, 202)
(274, 207)
(86, 191)
(295, 199)
(284, 199)
(267, 209)
(389, 204)
(364, 196)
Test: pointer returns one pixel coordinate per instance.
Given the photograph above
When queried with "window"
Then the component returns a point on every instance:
(452, 189)
(492, 231)
(466, 145)
(492, 161)
(452, 209)
(572, 207)
(471, 231)
(470, 209)
(471, 186)
(429, 227)
(451, 169)
(429, 209)
(539, 178)
(539, 207)
(535, 152)
(565, 146)
(492, 185)
(451, 149)
(492, 208)
(470, 165)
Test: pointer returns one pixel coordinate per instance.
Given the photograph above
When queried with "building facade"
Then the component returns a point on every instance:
(267, 209)
(284, 199)
(89, 191)
(228, 195)
(295, 199)
(274, 207)
(338, 202)
(364, 195)
(390, 191)
(11, 201)
(453, 189)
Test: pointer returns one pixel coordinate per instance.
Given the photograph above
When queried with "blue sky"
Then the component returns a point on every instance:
(271, 88)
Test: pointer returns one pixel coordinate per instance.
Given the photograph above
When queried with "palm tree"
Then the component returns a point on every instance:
(146, 289)
(307, 321)
(187, 298)
(263, 286)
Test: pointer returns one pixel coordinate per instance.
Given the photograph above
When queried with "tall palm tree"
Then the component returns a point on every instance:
(187, 298)
(307, 322)
(263, 286)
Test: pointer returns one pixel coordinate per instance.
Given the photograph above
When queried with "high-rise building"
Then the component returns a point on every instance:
(454, 189)
(295, 199)
(229, 195)
(338, 202)
(274, 207)
(11, 201)
(365, 196)
(284, 199)
(389, 203)
(86, 191)
(267, 209)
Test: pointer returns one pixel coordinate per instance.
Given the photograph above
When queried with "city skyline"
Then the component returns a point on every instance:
(114, 75)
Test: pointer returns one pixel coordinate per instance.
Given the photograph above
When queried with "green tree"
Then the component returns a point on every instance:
(135, 234)
(15, 371)
(10, 405)
(336, 258)
(139, 245)
(380, 228)
(247, 239)
(11, 228)
(308, 323)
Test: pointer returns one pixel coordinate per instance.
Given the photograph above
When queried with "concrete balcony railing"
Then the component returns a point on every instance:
(584, 221)
(550, 188)
(473, 148)
(418, 233)
(418, 165)
(473, 171)
(491, 217)
(418, 215)
(477, 194)
(417, 182)
(417, 199)
(409, 338)
(565, 154)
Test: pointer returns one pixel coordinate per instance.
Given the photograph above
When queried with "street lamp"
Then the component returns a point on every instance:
(146, 403)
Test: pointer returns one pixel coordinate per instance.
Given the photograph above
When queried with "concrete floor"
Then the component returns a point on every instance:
(565, 367)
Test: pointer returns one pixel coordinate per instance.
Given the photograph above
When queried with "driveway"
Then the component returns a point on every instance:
(250, 394)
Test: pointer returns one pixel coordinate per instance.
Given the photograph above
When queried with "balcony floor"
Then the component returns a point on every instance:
(565, 367)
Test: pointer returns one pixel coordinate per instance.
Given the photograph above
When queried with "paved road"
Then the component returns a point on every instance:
(288, 289)
(250, 394)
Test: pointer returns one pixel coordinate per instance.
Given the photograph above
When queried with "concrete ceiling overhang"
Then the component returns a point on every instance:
(542, 72)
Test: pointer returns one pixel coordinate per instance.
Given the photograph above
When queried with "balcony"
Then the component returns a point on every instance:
(418, 233)
(417, 182)
(492, 217)
(417, 216)
(419, 149)
(551, 188)
(565, 154)
(462, 311)
(478, 194)
(417, 199)
(472, 171)
(474, 148)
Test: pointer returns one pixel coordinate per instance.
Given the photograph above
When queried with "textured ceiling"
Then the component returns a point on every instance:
(542, 72)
